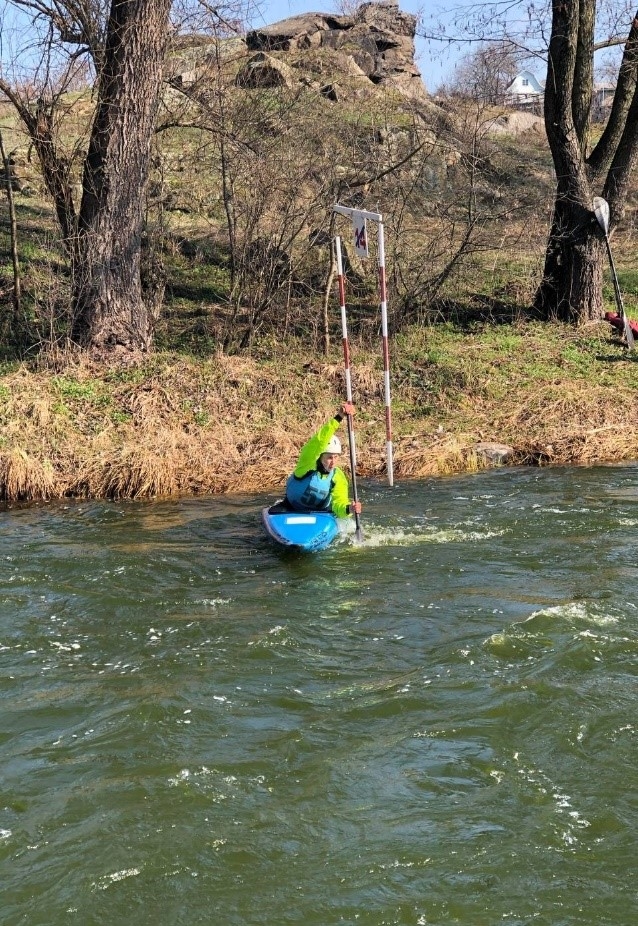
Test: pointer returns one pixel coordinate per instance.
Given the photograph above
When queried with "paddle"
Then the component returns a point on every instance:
(358, 535)
(601, 211)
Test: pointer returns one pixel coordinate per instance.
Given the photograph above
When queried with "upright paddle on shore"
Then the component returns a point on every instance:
(601, 211)
(346, 357)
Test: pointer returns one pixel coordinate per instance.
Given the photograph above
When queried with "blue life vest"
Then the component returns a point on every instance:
(310, 492)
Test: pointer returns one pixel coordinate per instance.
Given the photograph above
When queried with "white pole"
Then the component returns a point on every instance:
(346, 358)
(348, 210)
(386, 357)
(344, 329)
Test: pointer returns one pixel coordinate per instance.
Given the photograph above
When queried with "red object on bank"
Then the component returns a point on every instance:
(616, 321)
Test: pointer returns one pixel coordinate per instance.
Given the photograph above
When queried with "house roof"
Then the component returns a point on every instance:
(533, 84)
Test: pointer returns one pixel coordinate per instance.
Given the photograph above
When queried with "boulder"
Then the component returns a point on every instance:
(517, 123)
(496, 454)
(378, 37)
(263, 71)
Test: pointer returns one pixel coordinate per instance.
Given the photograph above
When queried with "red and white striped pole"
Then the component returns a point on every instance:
(358, 218)
(344, 323)
(346, 361)
(386, 356)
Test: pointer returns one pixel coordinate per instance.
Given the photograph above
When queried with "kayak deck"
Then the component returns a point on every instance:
(302, 530)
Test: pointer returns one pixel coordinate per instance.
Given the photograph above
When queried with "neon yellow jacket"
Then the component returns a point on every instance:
(308, 465)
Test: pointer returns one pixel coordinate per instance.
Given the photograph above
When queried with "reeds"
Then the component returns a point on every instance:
(442, 456)
(130, 472)
(23, 478)
(169, 426)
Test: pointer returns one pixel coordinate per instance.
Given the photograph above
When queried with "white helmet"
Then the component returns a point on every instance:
(334, 445)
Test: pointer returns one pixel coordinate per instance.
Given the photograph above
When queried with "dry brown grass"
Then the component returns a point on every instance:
(23, 478)
(444, 456)
(175, 427)
(168, 426)
(566, 424)
(128, 472)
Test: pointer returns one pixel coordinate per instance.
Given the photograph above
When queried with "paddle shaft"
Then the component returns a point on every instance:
(601, 211)
(355, 496)
(629, 335)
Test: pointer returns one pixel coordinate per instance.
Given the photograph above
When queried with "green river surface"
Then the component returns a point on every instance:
(436, 726)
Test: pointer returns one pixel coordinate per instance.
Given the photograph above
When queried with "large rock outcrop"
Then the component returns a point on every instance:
(378, 37)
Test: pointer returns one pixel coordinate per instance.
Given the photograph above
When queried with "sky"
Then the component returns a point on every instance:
(435, 61)
(465, 18)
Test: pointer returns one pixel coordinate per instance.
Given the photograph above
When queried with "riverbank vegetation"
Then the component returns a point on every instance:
(172, 423)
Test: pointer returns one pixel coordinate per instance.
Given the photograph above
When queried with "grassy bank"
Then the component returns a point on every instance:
(172, 425)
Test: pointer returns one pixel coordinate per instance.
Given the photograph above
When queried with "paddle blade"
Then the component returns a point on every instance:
(601, 211)
(629, 335)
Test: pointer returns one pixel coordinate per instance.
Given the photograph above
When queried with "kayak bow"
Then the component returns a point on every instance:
(307, 530)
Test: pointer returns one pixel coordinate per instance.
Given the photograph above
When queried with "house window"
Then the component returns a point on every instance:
(525, 82)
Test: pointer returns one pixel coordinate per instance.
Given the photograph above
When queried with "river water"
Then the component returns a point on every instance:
(437, 726)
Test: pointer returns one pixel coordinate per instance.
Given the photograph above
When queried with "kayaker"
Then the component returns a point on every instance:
(317, 483)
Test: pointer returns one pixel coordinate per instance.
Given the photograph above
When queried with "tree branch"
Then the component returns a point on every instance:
(602, 155)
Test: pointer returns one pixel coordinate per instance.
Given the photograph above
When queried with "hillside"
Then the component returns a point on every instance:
(253, 149)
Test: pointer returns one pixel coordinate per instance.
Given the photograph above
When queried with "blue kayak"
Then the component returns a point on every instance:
(300, 530)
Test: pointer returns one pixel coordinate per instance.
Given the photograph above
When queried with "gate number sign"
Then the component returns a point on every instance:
(360, 234)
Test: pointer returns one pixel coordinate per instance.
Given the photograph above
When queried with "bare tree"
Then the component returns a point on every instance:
(107, 292)
(13, 227)
(568, 34)
(486, 73)
(571, 288)
(279, 159)
(454, 191)
(103, 237)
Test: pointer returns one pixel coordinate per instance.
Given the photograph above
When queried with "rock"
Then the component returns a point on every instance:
(517, 123)
(192, 52)
(494, 453)
(330, 92)
(378, 37)
(263, 71)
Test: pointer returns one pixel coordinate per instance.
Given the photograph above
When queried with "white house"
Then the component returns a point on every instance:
(603, 98)
(525, 91)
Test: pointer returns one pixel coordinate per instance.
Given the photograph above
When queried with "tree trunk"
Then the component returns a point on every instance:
(108, 304)
(13, 226)
(571, 289)
(55, 168)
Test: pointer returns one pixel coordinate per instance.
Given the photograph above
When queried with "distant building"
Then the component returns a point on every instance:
(525, 92)
(603, 98)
